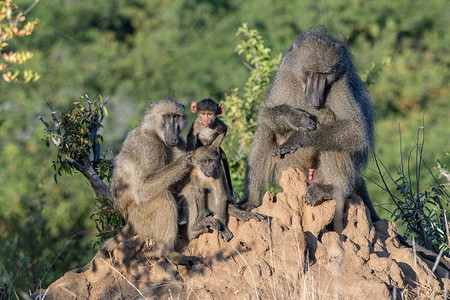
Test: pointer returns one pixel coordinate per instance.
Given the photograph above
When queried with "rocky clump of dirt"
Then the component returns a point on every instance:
(295, 254)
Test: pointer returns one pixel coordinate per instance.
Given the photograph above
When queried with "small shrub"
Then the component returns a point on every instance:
(421, 209)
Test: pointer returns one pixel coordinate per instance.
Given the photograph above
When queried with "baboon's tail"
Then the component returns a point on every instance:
(226, 169)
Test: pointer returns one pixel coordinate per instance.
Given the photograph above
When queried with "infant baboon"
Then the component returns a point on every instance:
(208, 174)
(148, 171)
(208, 129)
(315, 73)
(287, 117)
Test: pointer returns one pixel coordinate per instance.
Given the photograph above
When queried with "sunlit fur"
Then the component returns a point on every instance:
(344, 145)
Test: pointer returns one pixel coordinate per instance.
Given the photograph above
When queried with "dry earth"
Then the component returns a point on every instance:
(294, 255)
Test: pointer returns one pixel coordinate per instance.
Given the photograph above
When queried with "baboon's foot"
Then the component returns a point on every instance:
(317, 193)
(243, 215)
(179, 259)
(226, 234)
(206, 223)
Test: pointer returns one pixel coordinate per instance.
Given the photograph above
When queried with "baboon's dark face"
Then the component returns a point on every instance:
(172, 129)
(207, 159)
(208, 166)
(315, 87)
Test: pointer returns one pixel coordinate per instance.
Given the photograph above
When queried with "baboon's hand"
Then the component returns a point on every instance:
(226, 234)
(188, 157)
(306, 122)
(286, 150)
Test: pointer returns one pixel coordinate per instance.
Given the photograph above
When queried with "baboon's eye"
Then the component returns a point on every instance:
(177, 116)
(167, 116)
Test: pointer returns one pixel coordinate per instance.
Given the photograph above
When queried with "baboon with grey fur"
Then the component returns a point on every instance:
(207, 129)
(148, 172)
(207, 173)
(316, 72)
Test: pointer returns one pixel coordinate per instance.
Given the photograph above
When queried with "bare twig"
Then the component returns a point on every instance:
(104, 102)
(102, 114)
(30, 7)
(89, 102)
(447, 231)
(56, 141)
(45, 123)
(436, 263)
(55, 120)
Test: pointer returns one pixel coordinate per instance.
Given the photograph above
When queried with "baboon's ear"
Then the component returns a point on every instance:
(221, 108)
(150, 105)
(194, 107)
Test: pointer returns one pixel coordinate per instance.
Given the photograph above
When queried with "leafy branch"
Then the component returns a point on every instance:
(241, 109)
(76, 136)
(12, 25)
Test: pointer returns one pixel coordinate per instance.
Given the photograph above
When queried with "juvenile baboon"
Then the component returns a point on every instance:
(283, 117)
(208, 129)
(148, 172)
(207, 174)
(316, 72)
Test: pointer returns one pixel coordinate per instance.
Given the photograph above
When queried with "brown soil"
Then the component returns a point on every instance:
(294, 255)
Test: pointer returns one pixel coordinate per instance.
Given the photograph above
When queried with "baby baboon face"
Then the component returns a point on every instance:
(207, 160)
(207, 110)
(206, 118)
(208, 166)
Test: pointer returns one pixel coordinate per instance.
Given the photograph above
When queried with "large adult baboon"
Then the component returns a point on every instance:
(148, 172)
(315, 73)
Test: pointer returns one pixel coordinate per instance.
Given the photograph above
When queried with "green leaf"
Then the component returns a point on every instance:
(105, 111)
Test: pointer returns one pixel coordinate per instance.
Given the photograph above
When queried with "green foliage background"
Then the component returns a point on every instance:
(137, 51)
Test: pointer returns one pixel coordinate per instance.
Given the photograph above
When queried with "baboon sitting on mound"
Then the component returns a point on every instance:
(148, 172)
(207, 173)
(316, 72)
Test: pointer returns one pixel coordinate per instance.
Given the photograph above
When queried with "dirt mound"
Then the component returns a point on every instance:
(293, 255)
